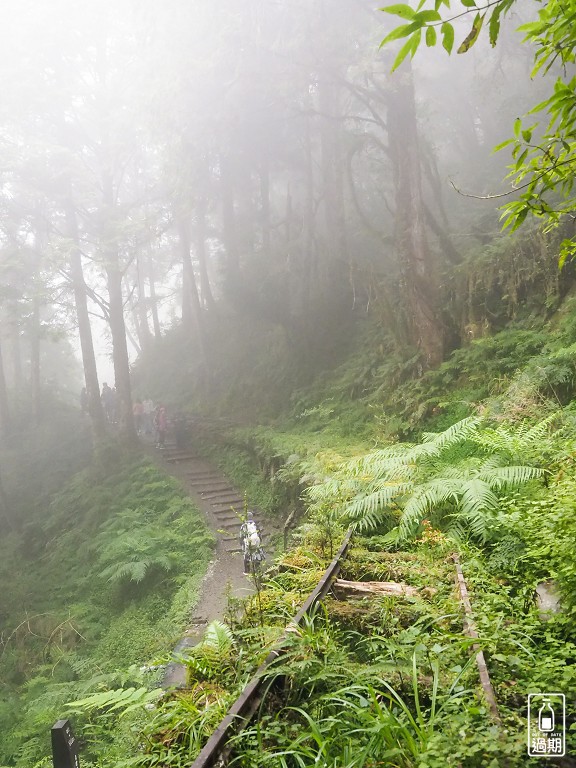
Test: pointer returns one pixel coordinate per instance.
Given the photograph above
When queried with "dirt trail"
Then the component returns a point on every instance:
(220, 502)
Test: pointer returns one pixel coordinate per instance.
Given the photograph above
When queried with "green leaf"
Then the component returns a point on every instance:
(519, 218)
(527, 135)
(409, 47)
(428, 16)
(517, 127)
(468, 3)
(520, 161)
(567, 251)
(402, 31)
(447, 31)
(473, 34)
(404, 11)
(504, 144)
(430, 37)
(494, 26)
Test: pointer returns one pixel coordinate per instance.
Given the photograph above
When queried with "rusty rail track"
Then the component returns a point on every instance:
(243, 709)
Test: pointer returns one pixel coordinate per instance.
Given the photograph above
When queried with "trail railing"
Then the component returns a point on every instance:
(243, 709)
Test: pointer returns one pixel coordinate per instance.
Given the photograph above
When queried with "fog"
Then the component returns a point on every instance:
(165, 165)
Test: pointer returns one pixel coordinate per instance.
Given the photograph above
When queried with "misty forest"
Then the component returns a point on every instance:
(288, 286)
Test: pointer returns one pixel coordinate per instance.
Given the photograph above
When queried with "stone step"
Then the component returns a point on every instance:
(264, 538)
(225, 492)
(233, 509)
(223, 498)
(180, 457)
(227, 517)
(204, 478)
(229, 528)
(225, 504)
(228, 514)
(232, 548)
(210, 487)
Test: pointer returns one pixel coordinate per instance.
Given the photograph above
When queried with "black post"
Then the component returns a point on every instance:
(64, 746)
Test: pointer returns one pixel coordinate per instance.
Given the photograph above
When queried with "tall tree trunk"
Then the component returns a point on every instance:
(4, 506)
(184, 246)
(332, 166)
(265, 203)
(205, 289)
(418, 269)
(153, 299)
(309, 252)
(229, 220)
(35, 325)
(120, 347)
(144, 336)
(95, 409)
(187, 290)
(16, 350)
(35, 383)
(4, 407)
(121, 361)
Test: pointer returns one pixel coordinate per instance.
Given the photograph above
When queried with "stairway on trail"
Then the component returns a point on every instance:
(223, 504)
(223, 507)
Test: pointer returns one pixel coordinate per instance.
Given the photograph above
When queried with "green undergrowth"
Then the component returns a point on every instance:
(366, 679)
(391, 679)
(104, 577)
(37, 458)
(378, 396)
(381, 392)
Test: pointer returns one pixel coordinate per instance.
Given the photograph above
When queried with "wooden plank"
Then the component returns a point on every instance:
(375, 588)
(470, 630)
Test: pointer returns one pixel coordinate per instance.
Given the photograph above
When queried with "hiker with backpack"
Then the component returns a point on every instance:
(251, 542)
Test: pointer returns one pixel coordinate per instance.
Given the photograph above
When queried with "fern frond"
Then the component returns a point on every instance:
(218, 637)
(436, 442)
(477, 497)
(125, 699)
(374, 502)
(423, 501)
(503, 477)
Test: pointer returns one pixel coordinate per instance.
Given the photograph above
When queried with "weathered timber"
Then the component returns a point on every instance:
(470, 629)
(374, 588)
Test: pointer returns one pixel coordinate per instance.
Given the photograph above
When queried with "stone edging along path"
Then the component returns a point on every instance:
(219, 501)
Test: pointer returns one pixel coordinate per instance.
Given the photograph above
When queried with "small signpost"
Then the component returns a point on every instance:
(64, 746)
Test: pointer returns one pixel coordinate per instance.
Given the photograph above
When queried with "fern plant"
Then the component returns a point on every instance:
(214, 656)
(463, 500)
(438, 478)
(128, 550)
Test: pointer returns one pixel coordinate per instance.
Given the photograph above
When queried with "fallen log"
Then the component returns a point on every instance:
(368, 588)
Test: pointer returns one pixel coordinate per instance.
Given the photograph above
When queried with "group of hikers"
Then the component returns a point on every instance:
(148, 417)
